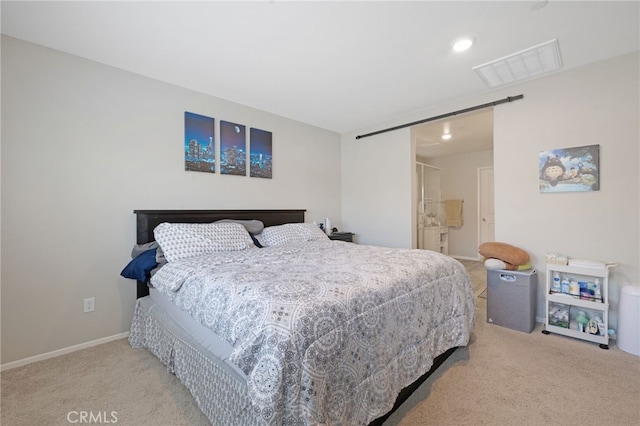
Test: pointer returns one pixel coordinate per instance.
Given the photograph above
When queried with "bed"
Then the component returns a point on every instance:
(302, 331)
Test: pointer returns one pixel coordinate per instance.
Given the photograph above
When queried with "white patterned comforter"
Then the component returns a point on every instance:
(326, 332)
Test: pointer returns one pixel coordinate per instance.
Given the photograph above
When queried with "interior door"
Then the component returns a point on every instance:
(486, 214)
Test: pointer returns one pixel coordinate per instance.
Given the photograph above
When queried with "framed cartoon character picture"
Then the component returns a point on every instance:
(570, 169)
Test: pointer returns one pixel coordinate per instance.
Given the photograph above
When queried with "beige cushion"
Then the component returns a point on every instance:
(505, 252)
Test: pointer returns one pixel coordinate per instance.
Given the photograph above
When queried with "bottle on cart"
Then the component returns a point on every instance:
(597, 291)
(555, 286)
(574, 288)
(565, 285)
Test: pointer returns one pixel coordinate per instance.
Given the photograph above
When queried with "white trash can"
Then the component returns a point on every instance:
(629, 319)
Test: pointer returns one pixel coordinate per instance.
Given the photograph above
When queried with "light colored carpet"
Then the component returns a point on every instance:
(483, 294)
(504, 377)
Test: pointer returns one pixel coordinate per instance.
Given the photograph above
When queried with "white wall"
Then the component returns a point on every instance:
(83, 145)
(459, 180)
(597, 104)
(376, 189)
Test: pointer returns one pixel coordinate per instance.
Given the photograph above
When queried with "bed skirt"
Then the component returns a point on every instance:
(219, 391)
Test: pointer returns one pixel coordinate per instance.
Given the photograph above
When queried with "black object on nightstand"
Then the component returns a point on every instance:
(342, 236)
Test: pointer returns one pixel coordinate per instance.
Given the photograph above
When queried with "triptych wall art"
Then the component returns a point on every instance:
(200, 148)
(570, 169)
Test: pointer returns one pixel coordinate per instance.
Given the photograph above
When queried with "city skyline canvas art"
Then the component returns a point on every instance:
(260, 154)
(199, 143)
(233, 149)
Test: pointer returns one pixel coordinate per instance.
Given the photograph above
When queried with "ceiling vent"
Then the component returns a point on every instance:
(524, 65)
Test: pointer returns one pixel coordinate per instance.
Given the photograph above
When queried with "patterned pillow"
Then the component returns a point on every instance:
(253, 227)
(292, 233)
(182, 240)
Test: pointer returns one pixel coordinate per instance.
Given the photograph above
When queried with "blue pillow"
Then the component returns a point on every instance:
(255, 241)
(140, 267)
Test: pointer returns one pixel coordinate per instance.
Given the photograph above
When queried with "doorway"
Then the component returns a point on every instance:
(460, 156)
(486, 213)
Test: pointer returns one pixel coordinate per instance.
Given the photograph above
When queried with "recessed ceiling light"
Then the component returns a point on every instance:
(463, 44)
(446, 136)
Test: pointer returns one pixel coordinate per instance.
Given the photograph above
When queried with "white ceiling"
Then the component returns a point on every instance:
(469, 133)
(341, 66)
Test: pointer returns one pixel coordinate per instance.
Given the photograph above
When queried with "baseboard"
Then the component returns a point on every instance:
(465, 257)
(63, 351)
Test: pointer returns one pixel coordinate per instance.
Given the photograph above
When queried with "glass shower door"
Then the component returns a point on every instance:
(429, 204)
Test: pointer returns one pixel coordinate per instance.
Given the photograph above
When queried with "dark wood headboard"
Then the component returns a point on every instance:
(147, 220)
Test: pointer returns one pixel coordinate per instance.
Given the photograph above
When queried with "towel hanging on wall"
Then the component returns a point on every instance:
(453, 209)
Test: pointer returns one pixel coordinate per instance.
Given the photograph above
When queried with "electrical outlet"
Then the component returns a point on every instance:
(89, 304)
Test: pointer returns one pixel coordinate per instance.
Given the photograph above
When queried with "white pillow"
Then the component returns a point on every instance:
(492, 264)
(182, 240)
(292, 233)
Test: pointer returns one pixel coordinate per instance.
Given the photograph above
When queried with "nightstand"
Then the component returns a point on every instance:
(342, 236)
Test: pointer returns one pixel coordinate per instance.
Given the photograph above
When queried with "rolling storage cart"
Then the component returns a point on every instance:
(579, 307)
